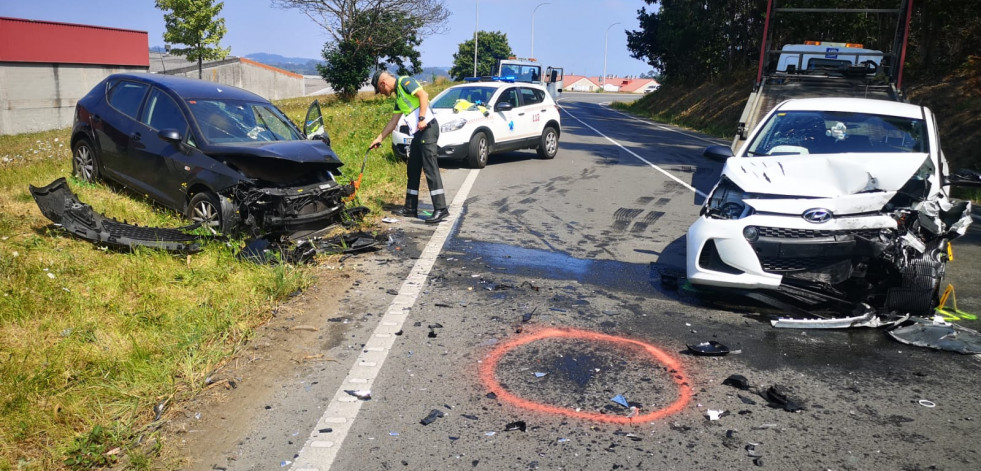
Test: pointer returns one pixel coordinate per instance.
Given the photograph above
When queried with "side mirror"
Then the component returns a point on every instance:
(718, 153)
(503, 106)
(965, 178)
(170, 135)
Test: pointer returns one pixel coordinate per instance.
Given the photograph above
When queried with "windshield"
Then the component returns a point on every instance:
(834, 132)
(475, 94)
(231, 121)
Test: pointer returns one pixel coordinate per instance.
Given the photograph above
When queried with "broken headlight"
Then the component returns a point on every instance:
(726, 202)
(453, 125)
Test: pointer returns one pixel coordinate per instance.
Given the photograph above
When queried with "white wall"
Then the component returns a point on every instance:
(38, 97)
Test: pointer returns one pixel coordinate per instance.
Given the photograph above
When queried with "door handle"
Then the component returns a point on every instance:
(136, 136)
(521, 114)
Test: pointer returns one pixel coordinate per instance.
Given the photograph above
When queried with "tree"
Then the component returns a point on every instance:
(372, 32)
(194, 23)
(491, 47)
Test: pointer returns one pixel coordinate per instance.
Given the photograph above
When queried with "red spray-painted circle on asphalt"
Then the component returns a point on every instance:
(489, 378)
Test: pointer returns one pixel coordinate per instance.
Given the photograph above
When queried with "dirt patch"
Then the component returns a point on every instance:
(297, 335)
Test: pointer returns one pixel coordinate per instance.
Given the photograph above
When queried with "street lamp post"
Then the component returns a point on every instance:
(606, 42)
(476, 28)
(533, 27)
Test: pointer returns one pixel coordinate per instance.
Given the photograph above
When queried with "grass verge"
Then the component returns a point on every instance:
(94, 339)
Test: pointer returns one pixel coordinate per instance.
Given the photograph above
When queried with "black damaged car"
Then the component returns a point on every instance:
(223, 156)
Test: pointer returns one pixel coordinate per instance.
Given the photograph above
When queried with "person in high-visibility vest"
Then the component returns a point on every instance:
(412, 102)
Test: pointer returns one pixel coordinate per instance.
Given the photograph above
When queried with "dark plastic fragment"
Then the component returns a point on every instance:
(433, 415)
(710, 348)
(517, 425)
(779, 398)
(737, 381)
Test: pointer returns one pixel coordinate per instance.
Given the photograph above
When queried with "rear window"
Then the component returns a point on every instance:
(531, 96)
(127, 97)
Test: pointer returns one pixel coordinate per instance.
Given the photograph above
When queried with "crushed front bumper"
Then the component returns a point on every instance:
(307, 207)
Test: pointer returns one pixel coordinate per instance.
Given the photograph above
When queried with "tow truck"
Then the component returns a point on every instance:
(530, 71)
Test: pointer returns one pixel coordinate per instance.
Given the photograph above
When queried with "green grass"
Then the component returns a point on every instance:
(92, 339)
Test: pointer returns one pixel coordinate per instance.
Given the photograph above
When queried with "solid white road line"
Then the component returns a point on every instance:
(655, 167)
(320, 449)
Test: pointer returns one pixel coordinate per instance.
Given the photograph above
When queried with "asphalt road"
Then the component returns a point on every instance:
(544, 304)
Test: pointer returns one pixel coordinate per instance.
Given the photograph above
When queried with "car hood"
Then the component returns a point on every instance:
(824, 176)
(312, 151)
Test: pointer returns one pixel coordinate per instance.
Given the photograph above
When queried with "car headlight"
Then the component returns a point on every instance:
(452, 125)
(726, 202)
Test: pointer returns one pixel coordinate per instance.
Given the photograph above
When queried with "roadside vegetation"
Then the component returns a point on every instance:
(95, 342)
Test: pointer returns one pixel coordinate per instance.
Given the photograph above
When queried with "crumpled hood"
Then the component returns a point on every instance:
(823, 176)
(311, 151)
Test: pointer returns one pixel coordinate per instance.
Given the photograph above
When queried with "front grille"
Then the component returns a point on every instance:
(785, 265)
(786, 233)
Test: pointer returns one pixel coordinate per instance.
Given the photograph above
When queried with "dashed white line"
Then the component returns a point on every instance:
(318, 453)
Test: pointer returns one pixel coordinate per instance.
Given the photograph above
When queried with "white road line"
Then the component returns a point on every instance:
(655, 167)
(320, 449)
(670, 129)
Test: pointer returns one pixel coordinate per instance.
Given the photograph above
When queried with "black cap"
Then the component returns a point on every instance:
(375, 78)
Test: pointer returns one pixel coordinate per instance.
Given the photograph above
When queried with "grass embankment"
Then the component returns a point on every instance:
(91, 340)
(714, 108)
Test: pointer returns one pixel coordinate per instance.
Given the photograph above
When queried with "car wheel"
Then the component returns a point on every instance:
(205, 208)
(85, 163)
(479, 150)
(548, 146)
(398, 153)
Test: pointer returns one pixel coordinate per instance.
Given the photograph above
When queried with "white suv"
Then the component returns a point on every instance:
(477, 119)
(831, 200)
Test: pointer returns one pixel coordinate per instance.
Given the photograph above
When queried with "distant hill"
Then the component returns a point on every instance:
(306, 66)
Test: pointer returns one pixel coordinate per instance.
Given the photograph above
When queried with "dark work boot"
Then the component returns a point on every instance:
(411, 208)
(438, 215)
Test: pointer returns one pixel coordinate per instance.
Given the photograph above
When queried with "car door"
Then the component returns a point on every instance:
(114, 126)
(504, 123)
(532, 113)
(157, 165)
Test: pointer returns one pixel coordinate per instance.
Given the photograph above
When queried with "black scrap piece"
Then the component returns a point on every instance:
(517, 425)
(59, 204)
(709, 349)
(433, 415)
(274, 248)
(778, 397)
(737, 381)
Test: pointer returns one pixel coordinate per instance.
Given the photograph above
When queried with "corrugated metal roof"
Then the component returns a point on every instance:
(23, 40)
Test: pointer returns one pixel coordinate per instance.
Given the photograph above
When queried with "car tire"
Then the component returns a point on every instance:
(399, 154)
(548, 145)
(85, 161)
(479, 151)
(205, 208)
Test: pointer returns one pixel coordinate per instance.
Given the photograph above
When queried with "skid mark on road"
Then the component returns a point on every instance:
(321, 448)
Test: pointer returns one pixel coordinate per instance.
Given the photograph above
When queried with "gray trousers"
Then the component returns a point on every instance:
(422, 157)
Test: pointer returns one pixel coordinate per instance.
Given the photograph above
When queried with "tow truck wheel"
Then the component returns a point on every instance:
(548, 146)
(479, 149)
(206, 209)
(85, 163)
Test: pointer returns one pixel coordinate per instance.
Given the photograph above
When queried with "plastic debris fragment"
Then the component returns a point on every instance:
(362, 394)
(715, 414)
(517, 425)
(940, 336)
(433, 415)
(926, 403)
(778, 398)
(619, 399)
(710, 348)
(539, 374)
(737, 381)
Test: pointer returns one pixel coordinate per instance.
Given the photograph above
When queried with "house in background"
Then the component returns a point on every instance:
(579, 83)
(46, 67)
(630, 85)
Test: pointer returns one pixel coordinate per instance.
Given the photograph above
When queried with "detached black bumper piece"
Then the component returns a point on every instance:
(59, 204)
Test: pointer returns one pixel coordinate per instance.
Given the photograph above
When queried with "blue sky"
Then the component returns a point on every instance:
(568, 33)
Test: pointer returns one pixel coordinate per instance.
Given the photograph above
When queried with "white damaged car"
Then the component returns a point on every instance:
(832, 201)
(477, 119)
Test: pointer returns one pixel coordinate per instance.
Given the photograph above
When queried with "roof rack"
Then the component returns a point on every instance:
(488, 78)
